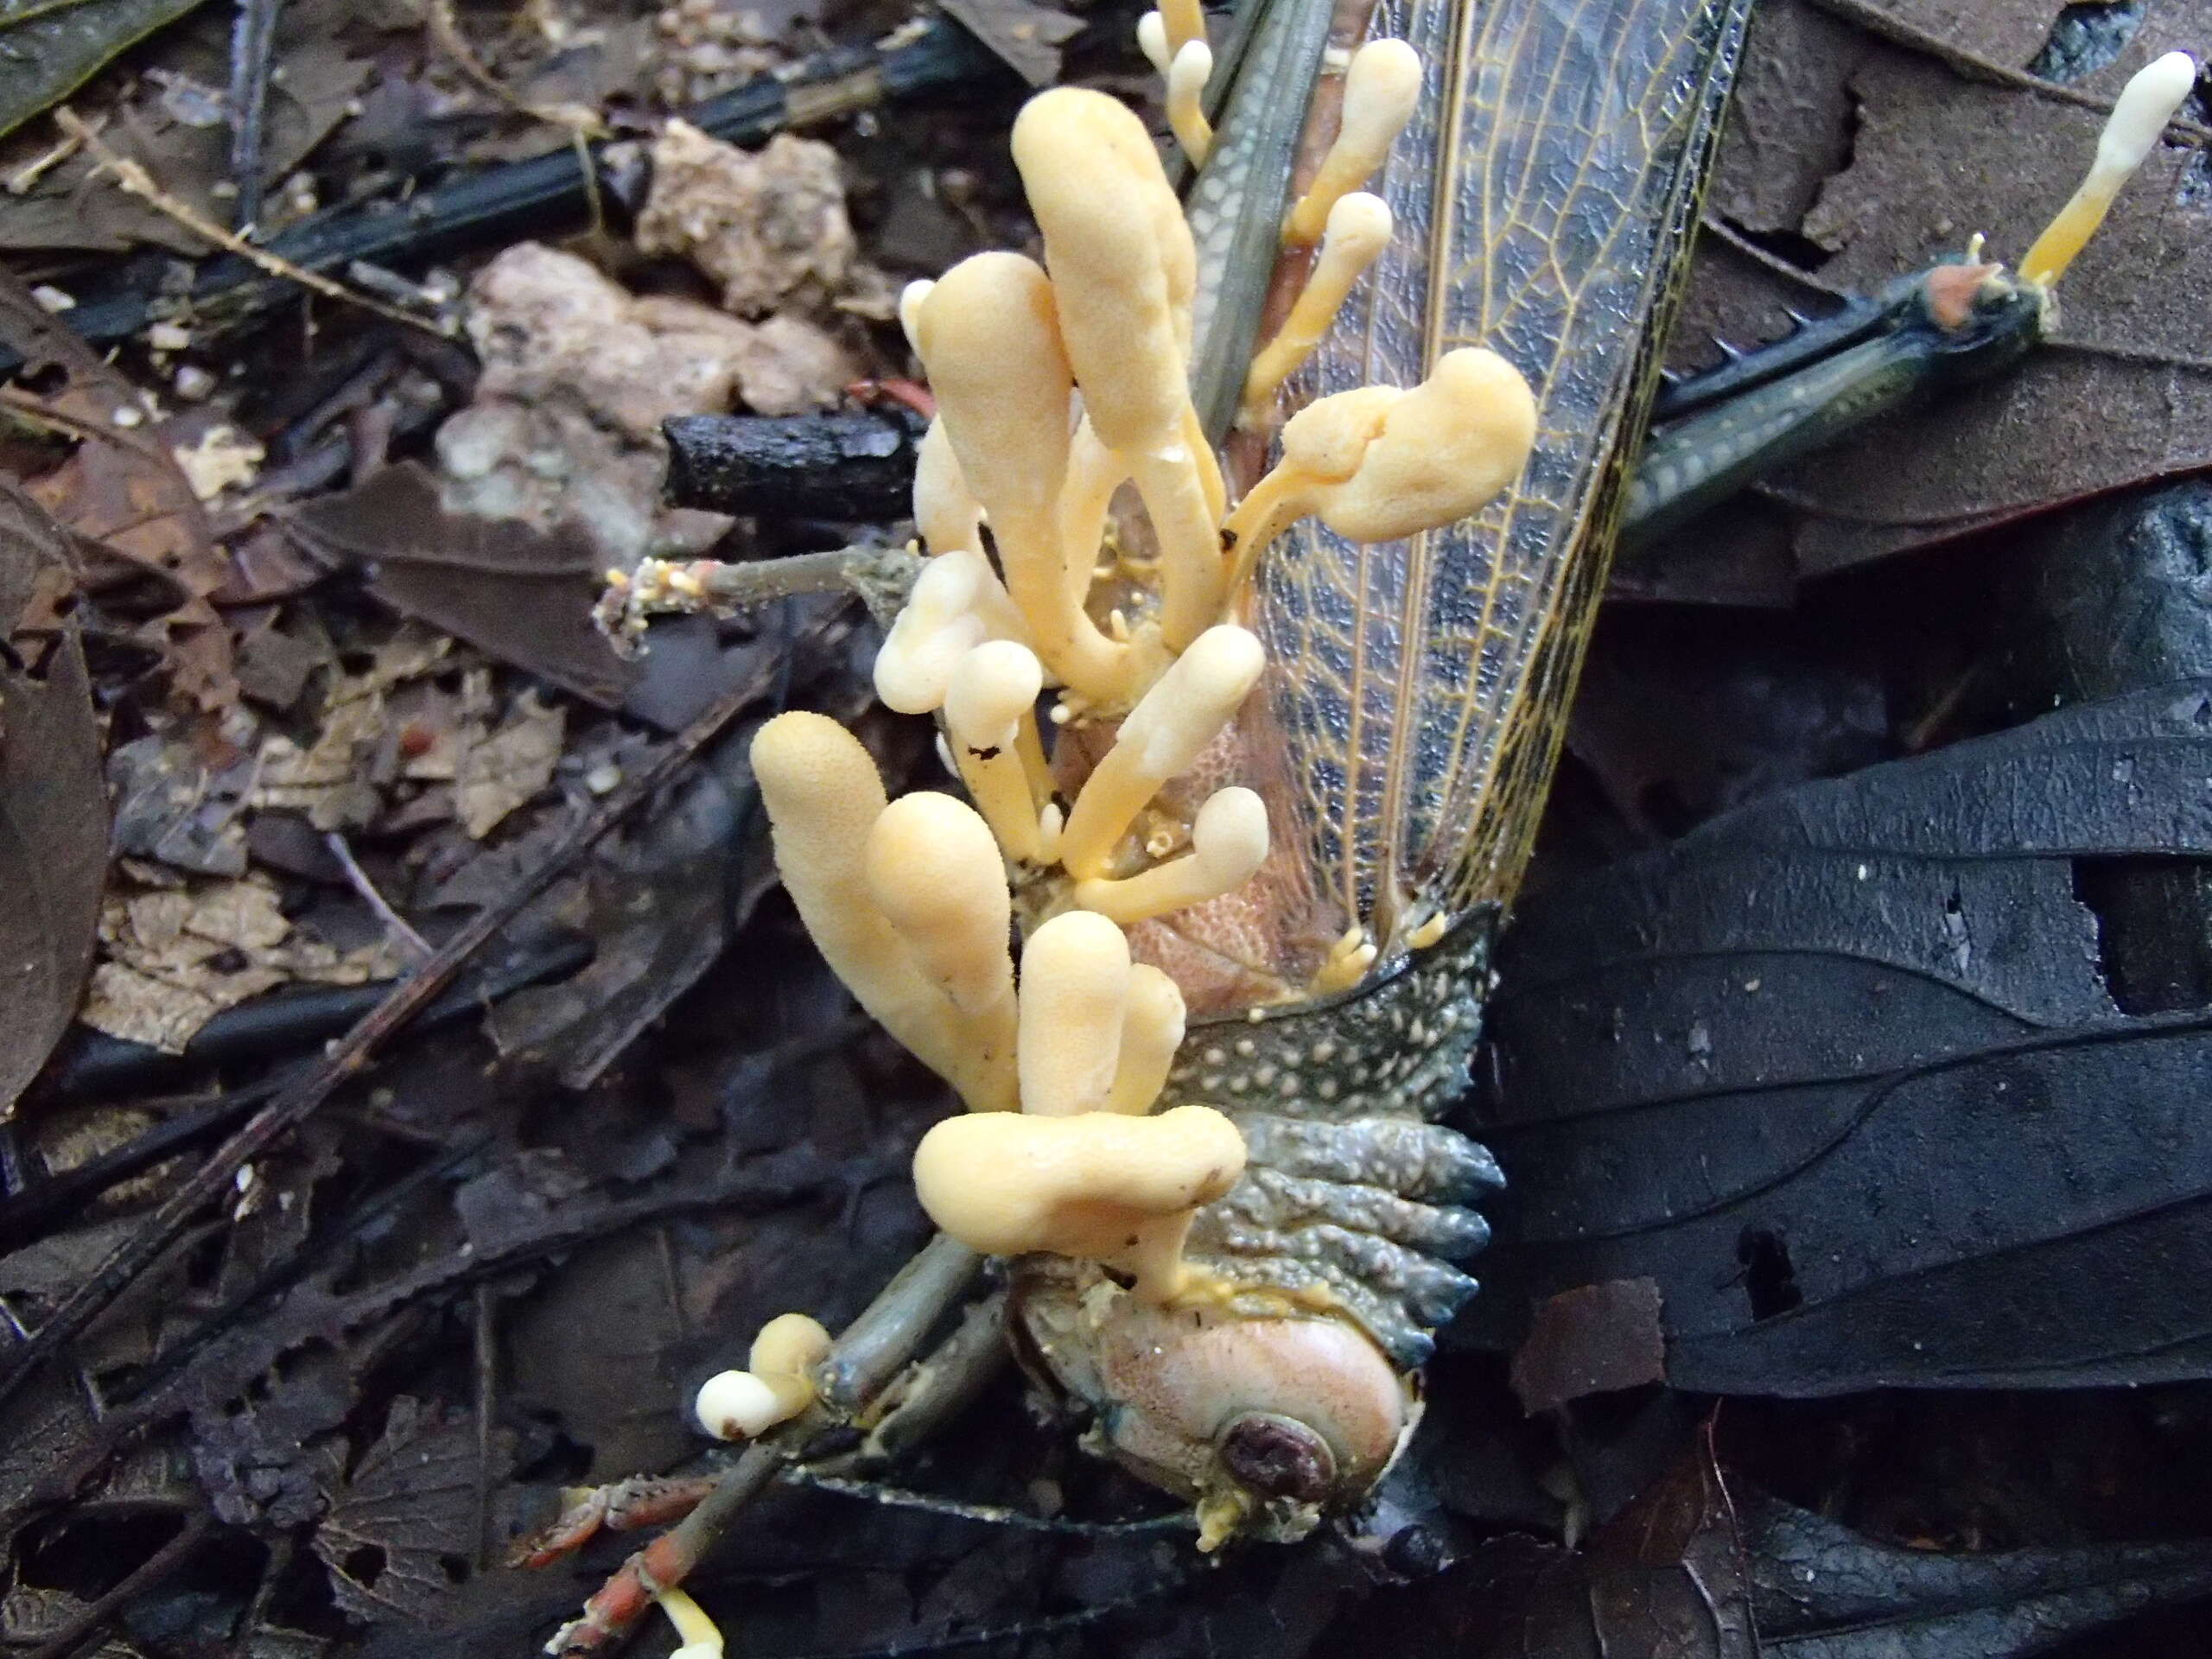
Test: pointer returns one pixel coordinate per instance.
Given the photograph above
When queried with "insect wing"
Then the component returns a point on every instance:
(1543, 197)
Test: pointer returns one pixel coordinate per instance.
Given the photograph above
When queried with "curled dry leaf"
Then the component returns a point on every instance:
(53, 805)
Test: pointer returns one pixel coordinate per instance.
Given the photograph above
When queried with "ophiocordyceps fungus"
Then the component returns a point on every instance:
(1381, 89)
(991, 341)
(1151, 1030)
(2138, 115)
(701, 1638)
(1358, 231)
(957, 603)
(774, 1387)
(1075, 995)
(1152, 40)
(1100, 1186)
(824, 797)
(990, 717)
(1187, 74)
(946, 511)
(1056, 385)
(1374, 465)
(1123, 271)
(1162, 738)
(934, 871)
(1229, 842)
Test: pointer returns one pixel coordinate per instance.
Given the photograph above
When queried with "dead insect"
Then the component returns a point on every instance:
(1301, 718)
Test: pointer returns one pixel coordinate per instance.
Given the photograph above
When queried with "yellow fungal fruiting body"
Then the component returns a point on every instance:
(1101, 1185)
(1057, 385)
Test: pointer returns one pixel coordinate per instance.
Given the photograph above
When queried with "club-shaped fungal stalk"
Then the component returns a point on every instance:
(945, 512)
(955, 604)
(1358, 231)
(774, 1387)
(1229, 842)
(2151, 99)
(1094, 473)
(935, 872)
(1183, 22)
(991, 342)
(824, 797)
(1151, 1030)
(1101, 1186)
(910, 307)
(940, 623)
(1382, 88)
(1162, 738)
(1187, 74)
(990, 723)
(1123, 274)
(1152, 40)
(1075, 995)
(698, 1634)
(1375, 465)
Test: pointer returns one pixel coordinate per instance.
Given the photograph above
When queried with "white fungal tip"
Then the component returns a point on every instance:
(738, 1406)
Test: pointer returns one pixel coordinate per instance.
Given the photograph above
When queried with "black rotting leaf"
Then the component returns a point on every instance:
(1665, 1578)
(401, 1533)
(1823, 1592)
(1845, 1073)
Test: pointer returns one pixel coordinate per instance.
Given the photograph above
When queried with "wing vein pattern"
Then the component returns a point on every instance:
(1543, 195)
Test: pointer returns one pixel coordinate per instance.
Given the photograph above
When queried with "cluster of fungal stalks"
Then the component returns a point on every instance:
(1058, 385)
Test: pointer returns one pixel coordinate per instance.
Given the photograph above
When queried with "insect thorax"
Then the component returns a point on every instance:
(1354, 1200)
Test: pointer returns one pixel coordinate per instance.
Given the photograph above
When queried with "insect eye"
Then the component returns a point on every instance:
(1273, 1456)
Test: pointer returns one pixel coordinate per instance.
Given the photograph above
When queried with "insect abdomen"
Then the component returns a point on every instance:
(1354, 1196)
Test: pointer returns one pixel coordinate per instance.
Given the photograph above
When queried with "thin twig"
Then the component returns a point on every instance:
(575, 119)
(401, 931)
(352, 1054)
(993, 1515)
(866, 1355)
(132, 178)
(94, 1618)
(253, 37)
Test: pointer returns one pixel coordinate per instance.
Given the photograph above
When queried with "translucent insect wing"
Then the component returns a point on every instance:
(1543, 195)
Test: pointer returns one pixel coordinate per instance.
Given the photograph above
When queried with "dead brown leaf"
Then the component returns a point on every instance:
(519, 594)
(1874, 139)
(175, 958)
(53, 803)
(498, 769)
(164, 122)
(1592, 1339)
(337, 779)
(123, 490)
(1026, 36)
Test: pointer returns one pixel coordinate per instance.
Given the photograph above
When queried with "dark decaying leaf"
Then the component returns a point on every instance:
(1871, 1077)
(1665, 1578)
(522, 596)
(1862, 157)
(53, 803)
(1823, 1592)
(48, 52)
(1592, 1339)
(401, 1530)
